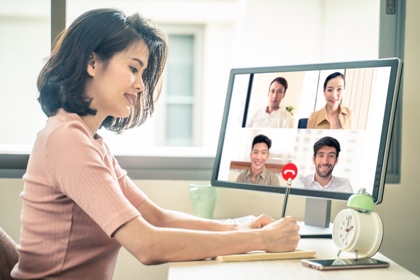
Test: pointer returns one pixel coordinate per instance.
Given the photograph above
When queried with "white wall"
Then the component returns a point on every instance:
(401, 206)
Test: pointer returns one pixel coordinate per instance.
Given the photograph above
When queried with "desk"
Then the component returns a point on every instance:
(286, 269)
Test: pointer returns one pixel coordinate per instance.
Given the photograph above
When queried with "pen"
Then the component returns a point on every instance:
(286, 196)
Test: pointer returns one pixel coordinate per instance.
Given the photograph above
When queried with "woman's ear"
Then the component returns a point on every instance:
(91, 65)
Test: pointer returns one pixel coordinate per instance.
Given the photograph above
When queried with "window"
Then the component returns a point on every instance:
(25, 33)
(179, 93)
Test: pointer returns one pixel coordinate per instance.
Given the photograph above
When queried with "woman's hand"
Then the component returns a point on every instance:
(281, 236)
(259, 222)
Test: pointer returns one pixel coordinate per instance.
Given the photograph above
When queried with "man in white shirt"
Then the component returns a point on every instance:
(326, 151)
(273, 116)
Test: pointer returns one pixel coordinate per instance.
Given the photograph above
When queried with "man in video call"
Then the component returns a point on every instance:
(257, 173)
(326, 152)
(273, 116)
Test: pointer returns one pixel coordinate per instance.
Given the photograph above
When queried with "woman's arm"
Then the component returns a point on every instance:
(160, 217)
(154, 245)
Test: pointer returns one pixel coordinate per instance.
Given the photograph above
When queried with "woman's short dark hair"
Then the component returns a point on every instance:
(104, 32)
(261, 138)
(281, 81)
(332, 76)
(327, 141)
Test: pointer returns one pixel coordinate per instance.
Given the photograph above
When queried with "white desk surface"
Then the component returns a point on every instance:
(286, 269)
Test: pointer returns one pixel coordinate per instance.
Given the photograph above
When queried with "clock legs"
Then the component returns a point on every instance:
(356, 252)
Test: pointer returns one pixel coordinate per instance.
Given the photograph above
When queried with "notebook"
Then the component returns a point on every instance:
(261, 255)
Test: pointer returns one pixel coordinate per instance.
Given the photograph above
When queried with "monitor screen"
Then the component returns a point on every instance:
(332, 120)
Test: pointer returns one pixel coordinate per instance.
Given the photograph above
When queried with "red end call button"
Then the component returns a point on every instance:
(289, 171)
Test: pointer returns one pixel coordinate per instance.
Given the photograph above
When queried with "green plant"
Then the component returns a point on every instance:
(290, 109)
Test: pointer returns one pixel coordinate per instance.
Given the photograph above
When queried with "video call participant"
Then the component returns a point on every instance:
(333, 115)
(273, 116)
(325, 158)
(257, 173)
(78, 205)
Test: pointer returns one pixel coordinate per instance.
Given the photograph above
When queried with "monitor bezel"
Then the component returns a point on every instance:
(386, 132)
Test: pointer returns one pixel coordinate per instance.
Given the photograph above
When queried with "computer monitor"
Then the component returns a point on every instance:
(368, 100)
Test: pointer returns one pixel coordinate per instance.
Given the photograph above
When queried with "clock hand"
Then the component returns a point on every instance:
(348, 230)
(347, 226)
(348, 222)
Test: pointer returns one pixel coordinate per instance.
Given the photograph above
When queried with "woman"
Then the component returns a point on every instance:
(333, 115)
(79, 206)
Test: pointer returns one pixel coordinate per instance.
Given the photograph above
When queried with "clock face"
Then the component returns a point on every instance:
(357, 232)
(344, 229)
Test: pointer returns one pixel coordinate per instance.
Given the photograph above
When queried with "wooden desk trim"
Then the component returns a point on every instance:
(243, 165)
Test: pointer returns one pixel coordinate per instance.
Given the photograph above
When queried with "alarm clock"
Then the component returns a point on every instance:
(358, 229)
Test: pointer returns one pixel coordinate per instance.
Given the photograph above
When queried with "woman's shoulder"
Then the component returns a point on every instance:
(345, 110)
(64, 127)
(314, 115)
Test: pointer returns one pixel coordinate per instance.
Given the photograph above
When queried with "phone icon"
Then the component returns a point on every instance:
(289, 171)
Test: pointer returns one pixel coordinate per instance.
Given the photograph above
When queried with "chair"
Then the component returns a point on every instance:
(303, 123)
(8, 255)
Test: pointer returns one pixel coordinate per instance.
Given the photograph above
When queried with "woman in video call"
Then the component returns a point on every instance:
(79, 205)
(333, 115)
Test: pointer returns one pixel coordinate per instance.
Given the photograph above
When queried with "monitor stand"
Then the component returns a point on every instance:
(317, 219)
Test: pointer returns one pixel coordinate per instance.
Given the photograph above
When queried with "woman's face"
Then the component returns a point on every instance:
(114, 87)
(333, 91)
